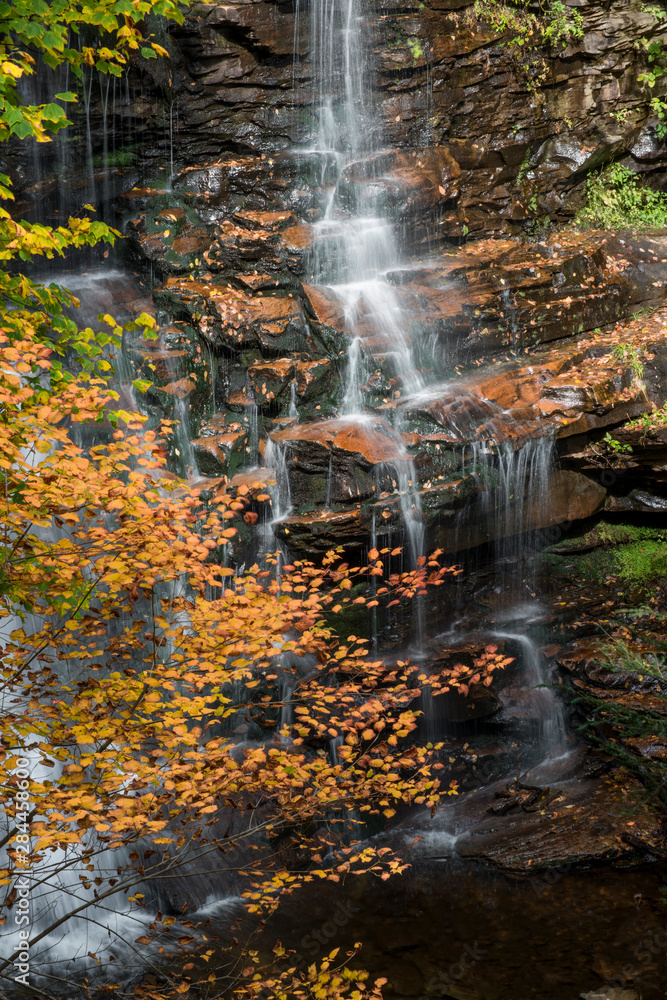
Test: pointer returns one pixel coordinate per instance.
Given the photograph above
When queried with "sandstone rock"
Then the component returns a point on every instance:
(271, 380)
(274, 184)
(278, 250)
(233, 86)
(342, 460)
(255, 479)
(176, 353)
(266, 222)
(220, 448)
(316, 533)
(168, 239)
(583, 828)
(369, 439)
(236, 319)
(571, 497)
(179, 389)
(400, 183)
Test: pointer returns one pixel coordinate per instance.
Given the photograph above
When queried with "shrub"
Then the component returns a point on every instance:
(617, 198)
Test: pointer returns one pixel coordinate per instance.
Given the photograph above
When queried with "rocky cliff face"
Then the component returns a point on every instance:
(469, 149)
(443, 79)
(258, 348)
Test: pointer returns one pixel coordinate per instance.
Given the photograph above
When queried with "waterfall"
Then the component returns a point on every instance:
(183, 438)
(352, 252)
(353, 399)
(517, 484)
(293, 413)
(339, 57)
(281, 500)
(551, 718)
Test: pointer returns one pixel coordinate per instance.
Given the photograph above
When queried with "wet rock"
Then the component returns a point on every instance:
(577, 388)
(572, 496)
(436, 500)
(610, 994)
(521, 155)
(480, 703)
(342, 460)
(175, 354)
(638, 502)
(279, 251)
(497, 294)
(444, 77)
(272, 381)
(316, 533)
(220, 448)
(180, 389)
(400, 183)
(281, 183)
(170, 239)
(236, 319)
(581, 829)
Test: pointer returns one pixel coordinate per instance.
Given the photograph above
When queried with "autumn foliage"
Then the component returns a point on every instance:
(127, 639)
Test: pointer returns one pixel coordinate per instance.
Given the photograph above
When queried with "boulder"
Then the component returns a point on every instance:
(220, 448)
(316, 533)
(568, 496)
(273, 380)
(276, 250)
(582, 828)
(227, 317)
(399, 183)
(342, 460)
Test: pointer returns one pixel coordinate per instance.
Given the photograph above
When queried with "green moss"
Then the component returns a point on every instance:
(632, 553)
(125, 156)
(609, 533)
(620, 534)
(642, 562)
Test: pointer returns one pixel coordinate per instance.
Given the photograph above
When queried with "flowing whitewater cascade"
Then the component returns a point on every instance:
(354, 245)
(517, 481)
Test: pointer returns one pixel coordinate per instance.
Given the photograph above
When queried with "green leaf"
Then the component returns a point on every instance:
(22, 129)
(53, 113)
(67, 95)
(52, 41)
(141, 384)
(148, 53)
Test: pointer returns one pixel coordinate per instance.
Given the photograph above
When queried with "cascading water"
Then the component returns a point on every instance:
(353, 250)
(549, 709)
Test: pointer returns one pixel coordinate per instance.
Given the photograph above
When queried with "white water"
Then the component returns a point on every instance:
(548, 706)
(352, 253)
